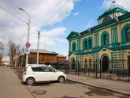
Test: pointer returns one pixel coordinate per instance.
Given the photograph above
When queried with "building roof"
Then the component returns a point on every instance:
(61, 56)
(43, 51)
(72, 34)
(112, 9)
(114, 5)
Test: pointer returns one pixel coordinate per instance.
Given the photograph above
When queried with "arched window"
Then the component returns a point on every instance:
(125, 33)
(90, 43)
(128, 34)
(74, 46)
(105, 39)
(106, 19)
(85, 44)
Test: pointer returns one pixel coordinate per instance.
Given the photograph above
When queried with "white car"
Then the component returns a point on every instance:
(40, 73)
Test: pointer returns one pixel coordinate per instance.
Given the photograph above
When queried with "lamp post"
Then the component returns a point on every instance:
(27, 44)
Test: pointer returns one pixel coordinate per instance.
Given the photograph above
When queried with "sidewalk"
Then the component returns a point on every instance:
(11, 86)
(116, 86)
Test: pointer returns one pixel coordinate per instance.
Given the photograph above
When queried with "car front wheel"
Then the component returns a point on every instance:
(61, 79)
(30, 81)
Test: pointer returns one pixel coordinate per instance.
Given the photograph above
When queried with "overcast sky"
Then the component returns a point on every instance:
(55, 19)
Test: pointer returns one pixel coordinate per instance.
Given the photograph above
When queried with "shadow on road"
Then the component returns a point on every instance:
(69, 82)
(95, 91)
(68, 97)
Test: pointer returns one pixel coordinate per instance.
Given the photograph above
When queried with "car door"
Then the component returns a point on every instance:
(49, 74)
(37, 73)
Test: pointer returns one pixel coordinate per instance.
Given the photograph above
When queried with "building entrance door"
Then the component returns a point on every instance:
(105, 64)
(73, 63)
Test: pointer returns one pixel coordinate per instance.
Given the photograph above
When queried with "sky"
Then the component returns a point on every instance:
(55, 19)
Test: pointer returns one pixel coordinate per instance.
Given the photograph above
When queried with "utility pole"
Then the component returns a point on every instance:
(38, 47)
(27, 44)
(22, 57)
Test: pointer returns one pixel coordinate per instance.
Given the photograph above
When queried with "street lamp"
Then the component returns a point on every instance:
(27, 44)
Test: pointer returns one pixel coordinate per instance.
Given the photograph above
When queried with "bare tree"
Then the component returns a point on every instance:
(13, 51)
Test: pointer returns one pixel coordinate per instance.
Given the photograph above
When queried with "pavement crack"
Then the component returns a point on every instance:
(30, 92)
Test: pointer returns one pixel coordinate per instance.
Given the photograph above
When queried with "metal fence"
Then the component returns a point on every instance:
(109, 69)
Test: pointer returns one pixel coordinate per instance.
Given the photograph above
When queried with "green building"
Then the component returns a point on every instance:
(109, 41)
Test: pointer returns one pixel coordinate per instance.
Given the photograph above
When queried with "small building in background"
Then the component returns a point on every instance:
(45, 57)
(61, 58)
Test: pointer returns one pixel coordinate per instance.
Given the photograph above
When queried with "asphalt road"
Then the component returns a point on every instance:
(11, 87)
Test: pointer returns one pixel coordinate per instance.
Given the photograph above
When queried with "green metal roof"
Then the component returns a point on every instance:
(120, 18)
(72, 35)
(116, 6)
(113, 8)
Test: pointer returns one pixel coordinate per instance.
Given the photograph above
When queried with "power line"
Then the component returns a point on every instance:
(57, 11)
(72, 11)
(80, 4)
(48, 12)
(57, 18)
(24, 34)
(12, 14)
(17, 18)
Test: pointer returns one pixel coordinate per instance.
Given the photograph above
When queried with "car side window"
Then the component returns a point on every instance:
(37, 69)
(44, 69)
(51, 69)
(47, 69)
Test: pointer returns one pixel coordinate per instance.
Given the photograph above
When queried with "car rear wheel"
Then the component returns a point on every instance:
(30, 81)
(61, 79)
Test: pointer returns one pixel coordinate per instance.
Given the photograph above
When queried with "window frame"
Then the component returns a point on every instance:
(127, 33)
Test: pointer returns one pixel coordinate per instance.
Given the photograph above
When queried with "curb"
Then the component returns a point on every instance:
(17, 74)
(100, 87)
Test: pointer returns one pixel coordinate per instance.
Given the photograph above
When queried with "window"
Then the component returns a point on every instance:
(48, 69)
(90, 44)
(85, 44)
(37, 69)
(128, 34)
(106, 19)
(125, 33)
(73, 46)
(105, 39)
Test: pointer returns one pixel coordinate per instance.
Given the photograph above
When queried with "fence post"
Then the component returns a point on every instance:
(96, 68)
(100, 69)
(128, 69)
(78, 67)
